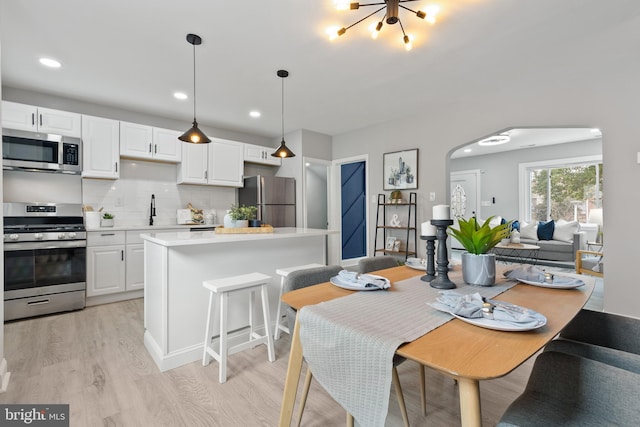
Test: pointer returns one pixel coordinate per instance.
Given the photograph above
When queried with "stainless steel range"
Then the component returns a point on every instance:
(44, 259)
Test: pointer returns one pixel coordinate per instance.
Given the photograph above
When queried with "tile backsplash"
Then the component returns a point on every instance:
(129, 197)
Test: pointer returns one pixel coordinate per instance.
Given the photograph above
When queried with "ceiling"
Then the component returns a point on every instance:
(522, 138)
(133, 55)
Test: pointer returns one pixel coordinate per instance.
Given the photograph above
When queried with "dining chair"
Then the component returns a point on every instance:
(312, 276)
(374, 263)
(569, 390)
(366, 265)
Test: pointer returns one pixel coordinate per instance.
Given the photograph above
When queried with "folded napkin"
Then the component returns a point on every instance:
(526, 272)
(363, 280)
(471, 306)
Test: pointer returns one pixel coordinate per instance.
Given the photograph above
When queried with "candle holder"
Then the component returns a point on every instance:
(431, 246)
(442, 278)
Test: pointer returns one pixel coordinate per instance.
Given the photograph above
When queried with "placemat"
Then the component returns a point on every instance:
(349, 343)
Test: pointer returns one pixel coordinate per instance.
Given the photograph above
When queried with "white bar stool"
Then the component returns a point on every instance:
(284, 272)
(220, 289)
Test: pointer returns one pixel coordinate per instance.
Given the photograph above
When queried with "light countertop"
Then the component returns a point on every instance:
(159, 227)
(187, 238)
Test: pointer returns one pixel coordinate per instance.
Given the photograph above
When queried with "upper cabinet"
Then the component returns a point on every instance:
(220, 162)
(37, 119)
(101, 148)
(261, 155)
(149, 143)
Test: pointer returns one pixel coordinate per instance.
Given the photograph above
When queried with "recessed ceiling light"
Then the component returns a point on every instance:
(255, 114)
(180, 95)
(51, 63)
(494, 140)
(467, 150)
(595, 130)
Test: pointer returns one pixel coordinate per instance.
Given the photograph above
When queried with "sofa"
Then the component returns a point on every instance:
(558, 240)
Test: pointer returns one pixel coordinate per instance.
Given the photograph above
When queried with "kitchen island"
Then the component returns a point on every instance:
(176, 264)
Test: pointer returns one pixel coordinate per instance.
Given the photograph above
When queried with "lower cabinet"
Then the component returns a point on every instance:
(115, 264)
(105, 262)
(134, 274)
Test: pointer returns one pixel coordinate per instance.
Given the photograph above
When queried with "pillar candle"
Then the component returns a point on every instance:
(441, 212)
(428, 229)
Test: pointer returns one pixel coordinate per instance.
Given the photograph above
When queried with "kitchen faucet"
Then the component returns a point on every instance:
(152, 209)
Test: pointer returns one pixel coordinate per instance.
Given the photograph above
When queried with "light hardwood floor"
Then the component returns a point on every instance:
(95, 361)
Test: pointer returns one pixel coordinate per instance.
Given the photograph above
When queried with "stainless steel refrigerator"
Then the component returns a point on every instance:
(274, 196)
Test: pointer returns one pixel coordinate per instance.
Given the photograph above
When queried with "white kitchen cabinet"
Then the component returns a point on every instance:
(148, 143)
(220, 162)
(105, 262)
(101, 148)
(195, 164)
(261, 155)
(134, 278)
(38, 119)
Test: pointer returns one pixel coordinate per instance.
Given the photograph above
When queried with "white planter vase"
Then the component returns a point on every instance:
(106, 222)
(230, 223)
(479, 270)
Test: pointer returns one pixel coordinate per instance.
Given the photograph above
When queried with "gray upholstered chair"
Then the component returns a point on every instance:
(605, 330)
(301, 279)
(569, 390)
(312, 276)
(366, 265)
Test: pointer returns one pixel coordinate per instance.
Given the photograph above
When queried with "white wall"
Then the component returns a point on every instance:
(593, 88)
(129, 197)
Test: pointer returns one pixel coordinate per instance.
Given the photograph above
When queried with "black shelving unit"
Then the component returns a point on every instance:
(384, 230)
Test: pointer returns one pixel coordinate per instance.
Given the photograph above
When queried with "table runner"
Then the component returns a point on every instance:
(349, 343)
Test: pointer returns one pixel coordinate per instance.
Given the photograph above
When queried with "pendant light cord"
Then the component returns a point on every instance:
(283, 108)
(194, 82)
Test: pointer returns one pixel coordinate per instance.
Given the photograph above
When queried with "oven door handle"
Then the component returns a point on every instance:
(26, 246)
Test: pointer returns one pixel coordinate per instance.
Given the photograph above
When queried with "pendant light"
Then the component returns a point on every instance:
(194, 135)
(283, 151)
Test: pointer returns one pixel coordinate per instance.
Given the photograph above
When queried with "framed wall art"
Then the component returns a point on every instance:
(400, 170)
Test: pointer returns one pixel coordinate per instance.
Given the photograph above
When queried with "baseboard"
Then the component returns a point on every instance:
(4, 376)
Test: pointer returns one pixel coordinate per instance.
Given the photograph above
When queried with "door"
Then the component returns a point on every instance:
(101, 147)
(276, 190)
(464, 197)
(315, 195)
(278, 215)
(226, 163)
(166, 145)
(353, 210)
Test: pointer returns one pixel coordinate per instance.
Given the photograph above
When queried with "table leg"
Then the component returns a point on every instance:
(293, 377)
(470, 415)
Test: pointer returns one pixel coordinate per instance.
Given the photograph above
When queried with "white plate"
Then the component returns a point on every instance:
(559, 282)
(416, 266)
(336, 280)
(497, 324)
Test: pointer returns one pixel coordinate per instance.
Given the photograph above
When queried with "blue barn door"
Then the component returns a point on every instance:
(353, 210)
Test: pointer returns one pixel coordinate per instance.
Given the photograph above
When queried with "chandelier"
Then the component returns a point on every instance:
(391, 9)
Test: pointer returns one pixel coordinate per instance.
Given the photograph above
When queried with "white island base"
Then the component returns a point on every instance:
(176, 264)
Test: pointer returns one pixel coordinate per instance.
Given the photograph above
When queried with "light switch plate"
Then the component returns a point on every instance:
(432, 195)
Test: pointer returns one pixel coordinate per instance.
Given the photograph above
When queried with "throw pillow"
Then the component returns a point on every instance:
(528, 231)
(545, 230)
(564, 231)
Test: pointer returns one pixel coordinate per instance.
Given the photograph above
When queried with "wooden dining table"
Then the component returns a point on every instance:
(465, 352)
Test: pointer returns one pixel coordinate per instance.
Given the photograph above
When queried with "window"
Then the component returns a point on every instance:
(561, 189)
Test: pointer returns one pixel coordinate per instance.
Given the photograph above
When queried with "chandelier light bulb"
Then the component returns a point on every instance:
(375, 30)
(430, 13)
(407, 42)
(341, 4)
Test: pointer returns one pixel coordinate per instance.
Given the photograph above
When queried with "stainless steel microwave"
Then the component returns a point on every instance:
(41, 151)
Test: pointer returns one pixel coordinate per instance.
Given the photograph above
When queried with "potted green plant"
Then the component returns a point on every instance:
(107, 220)
(478, 265)
(239, 216)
